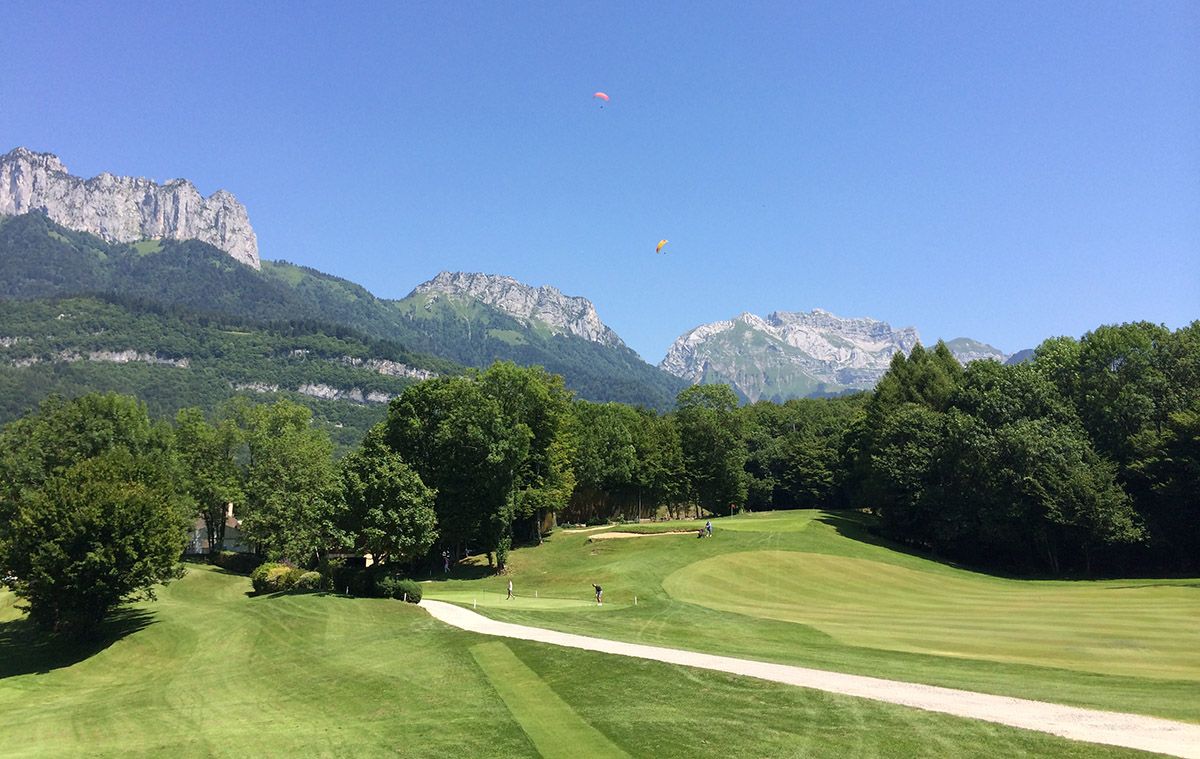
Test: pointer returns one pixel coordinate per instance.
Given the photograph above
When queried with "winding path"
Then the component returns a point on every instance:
(1090, 725)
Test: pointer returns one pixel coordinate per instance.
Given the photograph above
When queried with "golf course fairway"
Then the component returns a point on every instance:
(816, 589)
(211, 670)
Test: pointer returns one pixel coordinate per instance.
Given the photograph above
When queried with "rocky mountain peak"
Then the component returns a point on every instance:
(790, 354)
(564, 314)
(124, 209)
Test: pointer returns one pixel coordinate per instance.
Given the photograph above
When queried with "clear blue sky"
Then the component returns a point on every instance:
(1006, 171)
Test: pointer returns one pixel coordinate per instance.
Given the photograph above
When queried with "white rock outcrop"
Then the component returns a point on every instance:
(564, 314)
(124, 209)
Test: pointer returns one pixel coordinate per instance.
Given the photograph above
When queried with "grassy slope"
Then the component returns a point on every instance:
(808, 588)
(210, 671)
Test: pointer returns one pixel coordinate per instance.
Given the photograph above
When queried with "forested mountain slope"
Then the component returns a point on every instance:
(38, 258)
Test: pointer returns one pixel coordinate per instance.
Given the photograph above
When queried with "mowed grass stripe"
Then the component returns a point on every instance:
(553, 726)
(1091, 628)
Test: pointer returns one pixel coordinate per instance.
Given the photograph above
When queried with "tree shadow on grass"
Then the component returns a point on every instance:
(858, 526)
(861, 527)
(27, 649)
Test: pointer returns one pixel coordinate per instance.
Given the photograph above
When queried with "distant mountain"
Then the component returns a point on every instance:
(967, 350)
(797, 354)
(475, 319)
(39, 258)
(1020, 357)
(124, 209)
(564, 315)
(788, 354)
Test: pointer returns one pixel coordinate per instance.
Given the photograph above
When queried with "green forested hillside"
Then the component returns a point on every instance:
(39, 258)
(476, 334)
(172, 359)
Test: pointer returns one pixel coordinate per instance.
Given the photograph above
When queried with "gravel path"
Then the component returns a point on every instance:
(1090, 725)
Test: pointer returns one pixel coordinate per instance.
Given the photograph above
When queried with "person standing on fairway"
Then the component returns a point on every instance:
(509, 590)
(599, 594)
(708, 528)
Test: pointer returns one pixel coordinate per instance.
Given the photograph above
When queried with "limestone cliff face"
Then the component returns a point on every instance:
(124, 209)
(563, 314)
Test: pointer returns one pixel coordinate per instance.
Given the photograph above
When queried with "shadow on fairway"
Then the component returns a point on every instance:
(26, 649)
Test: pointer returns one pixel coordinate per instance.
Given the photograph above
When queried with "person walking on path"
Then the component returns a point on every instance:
(599, 594)
(510, 593)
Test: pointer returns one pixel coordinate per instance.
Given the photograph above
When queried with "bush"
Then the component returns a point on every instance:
(288, 577)
(412, 588)
(272, 577)
(232, 561)
(399, 588)
(261, 578)
(309, 581)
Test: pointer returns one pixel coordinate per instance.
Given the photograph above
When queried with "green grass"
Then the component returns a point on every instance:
(209, 670)
(146, 247)
(7, 605)
(816, 589)
(551, 724)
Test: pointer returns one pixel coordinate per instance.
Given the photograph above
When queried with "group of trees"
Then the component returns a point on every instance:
(1084, 459)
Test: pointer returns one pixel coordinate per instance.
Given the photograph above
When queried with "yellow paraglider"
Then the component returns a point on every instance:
(661, 243)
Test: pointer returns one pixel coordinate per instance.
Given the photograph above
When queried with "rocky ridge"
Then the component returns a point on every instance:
(124, 209)
(795, 354)
(563, 314)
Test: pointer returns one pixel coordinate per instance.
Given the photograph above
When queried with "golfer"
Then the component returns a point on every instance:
(708, 527)
(509, 590)
(599, 594)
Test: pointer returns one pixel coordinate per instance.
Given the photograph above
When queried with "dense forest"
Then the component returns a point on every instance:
(172, 358)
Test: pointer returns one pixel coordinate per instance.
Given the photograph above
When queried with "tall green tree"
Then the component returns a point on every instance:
(293, 493)
(211, 475)
(389, 511)
(538, 404)
(460, 443)
(714, 451)
(90, 513)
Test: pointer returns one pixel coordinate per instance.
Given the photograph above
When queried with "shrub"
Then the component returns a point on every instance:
(261, 577)
(309, 581)
(272, 577)
(287, 577)
(232, 561)
(412, 588)
(399, 588)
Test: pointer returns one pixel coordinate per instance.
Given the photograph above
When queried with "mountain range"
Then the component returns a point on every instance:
(797, 354)
(131, 238)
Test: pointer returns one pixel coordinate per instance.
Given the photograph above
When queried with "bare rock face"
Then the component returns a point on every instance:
(563, 314)
(124, 209)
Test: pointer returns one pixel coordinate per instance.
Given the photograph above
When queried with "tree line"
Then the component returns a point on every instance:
(1084, 460)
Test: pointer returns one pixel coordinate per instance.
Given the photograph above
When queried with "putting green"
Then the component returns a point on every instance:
(768, 522)
(1109, 627)
(551, 724)
(492, 599)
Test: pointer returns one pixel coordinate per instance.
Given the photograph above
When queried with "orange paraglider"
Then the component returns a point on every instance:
(601, 96)
(659, 248)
